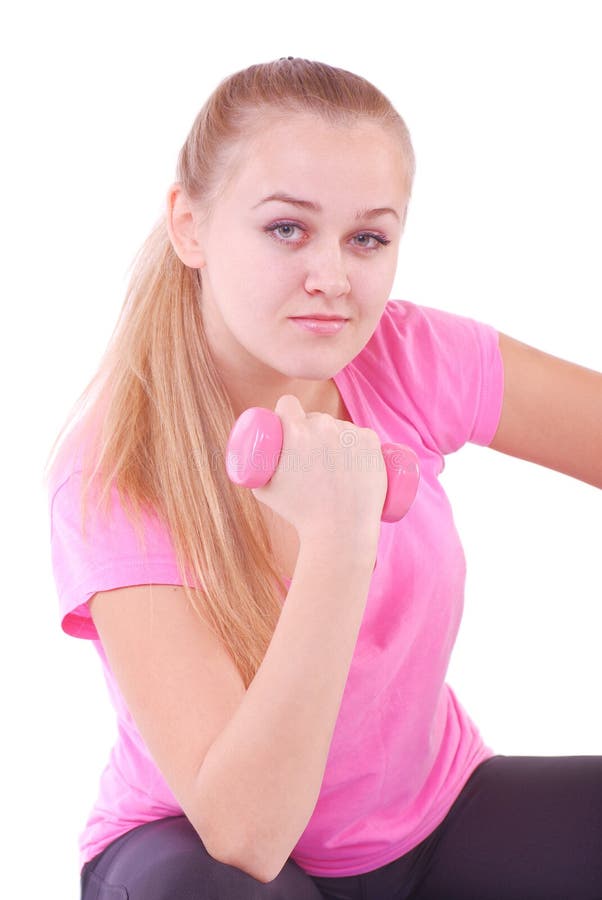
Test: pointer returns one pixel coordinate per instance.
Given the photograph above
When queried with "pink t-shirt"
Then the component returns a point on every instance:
(403, 746)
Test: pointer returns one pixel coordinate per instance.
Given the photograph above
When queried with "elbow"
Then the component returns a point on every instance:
(247, 856)
(255, 843)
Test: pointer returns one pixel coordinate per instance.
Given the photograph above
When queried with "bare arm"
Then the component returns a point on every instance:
(262, 775)
(552, 412)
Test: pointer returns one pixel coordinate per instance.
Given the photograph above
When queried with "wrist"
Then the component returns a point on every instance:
(355, 551)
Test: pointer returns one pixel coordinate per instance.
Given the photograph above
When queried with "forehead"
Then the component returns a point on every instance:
(303, 153)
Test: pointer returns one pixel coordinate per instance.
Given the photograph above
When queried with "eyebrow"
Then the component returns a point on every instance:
(315, 207)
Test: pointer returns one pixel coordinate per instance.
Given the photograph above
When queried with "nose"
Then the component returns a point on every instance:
(327, 273)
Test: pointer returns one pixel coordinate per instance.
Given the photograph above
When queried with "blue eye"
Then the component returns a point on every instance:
(283, 231)
(377, 240)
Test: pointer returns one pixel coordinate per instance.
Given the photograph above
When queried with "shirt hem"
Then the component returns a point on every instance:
(312, 867)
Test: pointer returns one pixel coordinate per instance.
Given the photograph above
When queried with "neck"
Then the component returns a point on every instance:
(313, 397)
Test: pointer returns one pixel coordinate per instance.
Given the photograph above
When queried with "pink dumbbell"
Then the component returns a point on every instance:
(254, 448)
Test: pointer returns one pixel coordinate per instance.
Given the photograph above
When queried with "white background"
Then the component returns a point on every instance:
(503, 103)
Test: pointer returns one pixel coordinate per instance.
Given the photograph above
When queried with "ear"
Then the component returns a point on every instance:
(182, 227)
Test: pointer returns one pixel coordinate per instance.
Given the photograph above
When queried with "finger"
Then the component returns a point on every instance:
(289, 406)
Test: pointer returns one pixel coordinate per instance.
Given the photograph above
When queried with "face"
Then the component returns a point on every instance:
(310, 224)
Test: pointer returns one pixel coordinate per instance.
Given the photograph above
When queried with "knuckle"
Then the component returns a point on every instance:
(370, 435)
(324, 422)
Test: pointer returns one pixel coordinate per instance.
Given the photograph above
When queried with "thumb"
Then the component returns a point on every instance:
(288, 406)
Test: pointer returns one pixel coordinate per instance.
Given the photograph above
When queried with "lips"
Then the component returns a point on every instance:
(322, 318)
(320, 326)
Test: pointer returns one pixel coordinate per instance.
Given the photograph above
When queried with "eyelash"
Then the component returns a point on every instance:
(272, 229)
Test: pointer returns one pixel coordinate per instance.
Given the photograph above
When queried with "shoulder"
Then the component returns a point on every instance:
(440, 370)
(428, 343)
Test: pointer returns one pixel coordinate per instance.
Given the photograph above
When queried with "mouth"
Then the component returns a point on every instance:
(320, 318)
(320, 324)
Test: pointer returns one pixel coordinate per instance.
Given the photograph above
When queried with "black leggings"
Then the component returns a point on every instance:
(522, 828)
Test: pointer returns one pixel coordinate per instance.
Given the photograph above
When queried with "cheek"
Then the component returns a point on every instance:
(372, 280)
(273, 283)
(262, 266)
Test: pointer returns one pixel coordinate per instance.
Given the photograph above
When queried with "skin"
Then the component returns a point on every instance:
(253, 282)
(324, 261)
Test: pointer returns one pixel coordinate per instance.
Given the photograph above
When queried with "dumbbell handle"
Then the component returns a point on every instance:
(255, 445)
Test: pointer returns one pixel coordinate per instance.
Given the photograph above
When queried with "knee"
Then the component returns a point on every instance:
(192, 874)
(166, 859)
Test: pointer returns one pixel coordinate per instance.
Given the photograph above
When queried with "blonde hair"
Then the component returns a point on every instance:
(155, 418)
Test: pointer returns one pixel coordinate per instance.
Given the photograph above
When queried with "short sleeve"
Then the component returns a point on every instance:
(448, 374)
(109, 555)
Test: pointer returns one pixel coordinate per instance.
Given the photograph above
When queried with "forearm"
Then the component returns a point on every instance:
(260, 780)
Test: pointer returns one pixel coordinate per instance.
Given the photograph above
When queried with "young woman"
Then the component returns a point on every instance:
(276, 656)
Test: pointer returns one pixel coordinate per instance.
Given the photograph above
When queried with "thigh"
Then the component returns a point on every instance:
(166, 859)
(523, 828)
